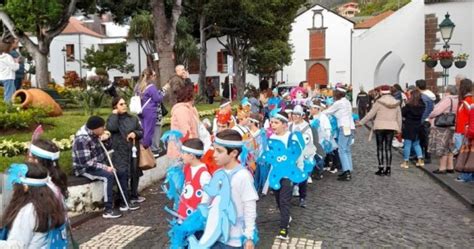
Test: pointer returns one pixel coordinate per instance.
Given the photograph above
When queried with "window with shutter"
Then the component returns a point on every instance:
(70, 52)
(220, 61)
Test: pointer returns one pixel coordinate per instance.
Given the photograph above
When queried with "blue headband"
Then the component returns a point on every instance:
(42, 153)
(17, 175)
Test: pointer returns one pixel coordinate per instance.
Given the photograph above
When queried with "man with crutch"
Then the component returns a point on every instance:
(90, 159)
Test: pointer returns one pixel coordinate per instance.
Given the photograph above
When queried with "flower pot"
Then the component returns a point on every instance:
(460, 64)
(431, 63)
(446, 63)
(38, 98)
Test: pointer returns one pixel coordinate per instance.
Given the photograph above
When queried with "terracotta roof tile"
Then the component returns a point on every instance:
(369, 23)
(75, 27)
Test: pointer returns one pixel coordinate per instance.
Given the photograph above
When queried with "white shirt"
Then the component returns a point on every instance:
(342, 110)
(205, 179)
(8, 66)
(22, 234)
(245, 199)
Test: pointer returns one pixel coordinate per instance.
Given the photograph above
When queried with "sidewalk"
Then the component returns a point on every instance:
(464, 191)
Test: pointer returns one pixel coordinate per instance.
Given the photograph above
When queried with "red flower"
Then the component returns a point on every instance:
(448, 55)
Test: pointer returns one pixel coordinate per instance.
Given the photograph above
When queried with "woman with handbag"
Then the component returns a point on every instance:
(151, 98)
(124, 131)
(462, 120)
(442, 120)
(387, 117)
(184, 117)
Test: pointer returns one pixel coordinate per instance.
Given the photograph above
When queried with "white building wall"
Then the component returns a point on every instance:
(402, 34)
(462, 15)
(338, 47)
(213, 46)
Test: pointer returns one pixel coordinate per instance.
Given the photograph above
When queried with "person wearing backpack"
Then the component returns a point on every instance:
(363, 103)
(151, 98)
(464, 123)
(34, 218)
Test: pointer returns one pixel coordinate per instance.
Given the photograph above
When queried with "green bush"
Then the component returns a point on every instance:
(12, 117)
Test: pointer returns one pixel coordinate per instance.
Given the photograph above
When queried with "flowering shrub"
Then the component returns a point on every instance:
(462, 57)
(445, 55)
(11, 148)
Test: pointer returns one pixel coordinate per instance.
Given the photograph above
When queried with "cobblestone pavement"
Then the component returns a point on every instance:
(407, 209)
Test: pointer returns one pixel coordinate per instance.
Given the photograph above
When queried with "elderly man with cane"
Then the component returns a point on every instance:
(91, 160)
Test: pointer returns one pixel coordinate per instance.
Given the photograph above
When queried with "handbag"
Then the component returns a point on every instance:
(136, 103)
(164, 111)
(146, 160)
(445, 120)
(465, 160)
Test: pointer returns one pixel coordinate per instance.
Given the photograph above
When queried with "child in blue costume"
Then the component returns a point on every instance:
(279, 125)
(228, 145)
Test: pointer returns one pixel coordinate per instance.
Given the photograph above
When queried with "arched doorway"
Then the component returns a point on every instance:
(317, 74)
(388, 69)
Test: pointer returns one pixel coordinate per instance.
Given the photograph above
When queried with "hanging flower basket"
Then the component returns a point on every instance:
(446, 63)
(460, 64)
(431, 63)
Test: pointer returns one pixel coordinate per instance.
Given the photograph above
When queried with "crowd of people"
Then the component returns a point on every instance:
(276, 142)
(426, 123)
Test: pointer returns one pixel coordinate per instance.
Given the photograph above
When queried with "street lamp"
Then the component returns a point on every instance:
(138, 38)
(64, 58)
(446, 28)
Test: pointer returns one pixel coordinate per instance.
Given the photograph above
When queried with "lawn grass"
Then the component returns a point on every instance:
(63, 127)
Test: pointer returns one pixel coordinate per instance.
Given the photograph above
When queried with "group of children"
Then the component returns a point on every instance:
(250, 154)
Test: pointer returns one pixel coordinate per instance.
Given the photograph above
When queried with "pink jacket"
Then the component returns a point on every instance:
(185, 118)
(444, 107)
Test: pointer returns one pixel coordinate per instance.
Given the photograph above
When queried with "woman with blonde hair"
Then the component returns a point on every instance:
(151, 99)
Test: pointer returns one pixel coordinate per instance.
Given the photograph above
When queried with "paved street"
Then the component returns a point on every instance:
(407, 209)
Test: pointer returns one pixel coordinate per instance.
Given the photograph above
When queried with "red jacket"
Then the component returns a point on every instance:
(462, 115)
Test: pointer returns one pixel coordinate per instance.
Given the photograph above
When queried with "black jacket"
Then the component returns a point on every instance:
(120, 126)
(412, 120)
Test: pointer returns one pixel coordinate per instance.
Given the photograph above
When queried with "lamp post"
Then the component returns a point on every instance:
(64, 58)
(446, 28)
(138, 38)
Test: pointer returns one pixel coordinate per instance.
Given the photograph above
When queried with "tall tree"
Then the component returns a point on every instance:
(247, 23)
(46, 19)
(142, 30)
(185, 48)
(165, 15)
(112, 56)
(269, 57)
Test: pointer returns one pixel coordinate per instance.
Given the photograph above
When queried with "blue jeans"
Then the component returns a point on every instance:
(458, 138)
(107, 178)
(345, 153)
(8, 90)
(407, 144)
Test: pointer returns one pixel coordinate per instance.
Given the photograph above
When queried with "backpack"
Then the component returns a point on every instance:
(56, 238)
(470, 123)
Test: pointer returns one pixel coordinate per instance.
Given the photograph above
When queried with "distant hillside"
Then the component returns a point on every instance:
(374, 7)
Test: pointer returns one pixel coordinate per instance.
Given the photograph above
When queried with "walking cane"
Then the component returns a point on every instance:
(115, 173)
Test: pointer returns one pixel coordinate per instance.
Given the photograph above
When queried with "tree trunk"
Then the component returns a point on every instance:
(42, 73)
(202, 55)
(238, 74)
(165, 34)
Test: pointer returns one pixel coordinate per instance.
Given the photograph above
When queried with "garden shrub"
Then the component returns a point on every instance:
(14, 117)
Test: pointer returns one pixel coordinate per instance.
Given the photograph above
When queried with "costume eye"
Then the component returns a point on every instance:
(199, 193)
(188, 191)
(189, 211)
